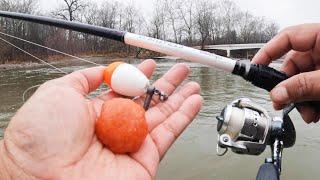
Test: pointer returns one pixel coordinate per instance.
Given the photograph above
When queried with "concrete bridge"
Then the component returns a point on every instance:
(230, 47)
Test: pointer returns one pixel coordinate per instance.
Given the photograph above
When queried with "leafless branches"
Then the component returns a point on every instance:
(69, 9)
(188, 22)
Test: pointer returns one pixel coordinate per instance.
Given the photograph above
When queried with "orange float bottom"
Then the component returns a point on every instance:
(122, 126)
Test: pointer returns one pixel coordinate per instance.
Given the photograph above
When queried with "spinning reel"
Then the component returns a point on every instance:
(246, 128)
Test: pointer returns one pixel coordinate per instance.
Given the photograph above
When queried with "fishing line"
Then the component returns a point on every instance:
(26, 52)
(27, 90)
(48, 48)
(43, 61)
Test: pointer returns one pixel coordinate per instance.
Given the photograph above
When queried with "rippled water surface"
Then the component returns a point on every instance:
(193, 155)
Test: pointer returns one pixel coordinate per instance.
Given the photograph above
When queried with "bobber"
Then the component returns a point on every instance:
(125, 79)
(122, 126)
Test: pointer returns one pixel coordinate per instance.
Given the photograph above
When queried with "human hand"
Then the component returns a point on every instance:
(302, 62)
(52, 135)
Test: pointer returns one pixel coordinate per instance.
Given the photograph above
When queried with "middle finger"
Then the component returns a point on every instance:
(168, 82)
(297, 62)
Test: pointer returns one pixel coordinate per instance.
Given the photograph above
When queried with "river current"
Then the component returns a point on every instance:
(193, 156)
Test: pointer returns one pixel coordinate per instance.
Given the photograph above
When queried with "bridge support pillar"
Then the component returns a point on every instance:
(228, 52)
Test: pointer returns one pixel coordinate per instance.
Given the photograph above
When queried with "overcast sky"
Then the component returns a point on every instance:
(284, 12)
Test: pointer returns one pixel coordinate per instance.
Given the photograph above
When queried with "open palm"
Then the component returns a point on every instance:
(52, 135)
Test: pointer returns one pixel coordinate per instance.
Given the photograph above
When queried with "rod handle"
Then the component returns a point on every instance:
(267, 78)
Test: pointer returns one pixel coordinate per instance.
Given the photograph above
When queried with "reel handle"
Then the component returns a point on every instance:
(267, 78)
(268, 171)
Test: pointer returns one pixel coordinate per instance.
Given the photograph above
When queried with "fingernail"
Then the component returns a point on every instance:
(280, 94)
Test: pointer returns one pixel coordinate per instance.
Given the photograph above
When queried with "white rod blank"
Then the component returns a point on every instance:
(180, 51)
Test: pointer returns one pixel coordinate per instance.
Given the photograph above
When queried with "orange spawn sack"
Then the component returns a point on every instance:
(122, 126)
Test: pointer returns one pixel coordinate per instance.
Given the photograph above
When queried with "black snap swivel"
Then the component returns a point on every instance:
(151, 91)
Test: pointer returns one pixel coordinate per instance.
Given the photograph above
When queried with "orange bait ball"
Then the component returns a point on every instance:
(122, 126)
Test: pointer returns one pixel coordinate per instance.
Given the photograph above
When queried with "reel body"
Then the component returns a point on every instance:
(246, 128)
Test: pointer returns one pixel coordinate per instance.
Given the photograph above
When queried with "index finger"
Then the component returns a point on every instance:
(299, 38)
(84, 81)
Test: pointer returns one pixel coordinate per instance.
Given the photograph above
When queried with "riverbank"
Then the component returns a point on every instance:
(59, 61)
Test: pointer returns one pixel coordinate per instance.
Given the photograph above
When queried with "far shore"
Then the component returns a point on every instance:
(58, 60)
(31, 64)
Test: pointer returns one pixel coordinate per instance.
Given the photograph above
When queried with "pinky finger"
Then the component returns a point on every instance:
(166, 133)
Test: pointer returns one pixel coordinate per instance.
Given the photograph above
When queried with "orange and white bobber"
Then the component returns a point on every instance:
(126, 79)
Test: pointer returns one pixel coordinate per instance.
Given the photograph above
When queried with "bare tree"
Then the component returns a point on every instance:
(229, 13)
(186, 13)
(91, 15)
(157, 23)
(270, 30)
(108, 14)
(4, 5)
(246, 27)
(203, 20)
(69, 9)
(172, 15)
(129, 18)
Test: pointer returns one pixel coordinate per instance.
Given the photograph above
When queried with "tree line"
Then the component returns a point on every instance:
(188, 22)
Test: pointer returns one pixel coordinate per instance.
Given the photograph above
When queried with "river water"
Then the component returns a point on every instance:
(193, 156)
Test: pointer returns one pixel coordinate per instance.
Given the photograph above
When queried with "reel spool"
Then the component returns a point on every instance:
(247, 128)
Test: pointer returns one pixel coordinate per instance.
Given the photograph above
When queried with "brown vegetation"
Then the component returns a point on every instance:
(187, 22)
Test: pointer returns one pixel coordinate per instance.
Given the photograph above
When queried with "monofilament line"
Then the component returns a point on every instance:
(43, 61)
(54, 50)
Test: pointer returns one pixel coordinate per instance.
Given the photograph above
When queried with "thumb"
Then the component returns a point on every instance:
(301, 87)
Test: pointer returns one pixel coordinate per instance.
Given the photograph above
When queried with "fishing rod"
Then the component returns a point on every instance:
(261, 76)
(258, 129)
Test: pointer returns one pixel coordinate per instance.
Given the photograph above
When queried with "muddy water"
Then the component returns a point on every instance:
(193, 155)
